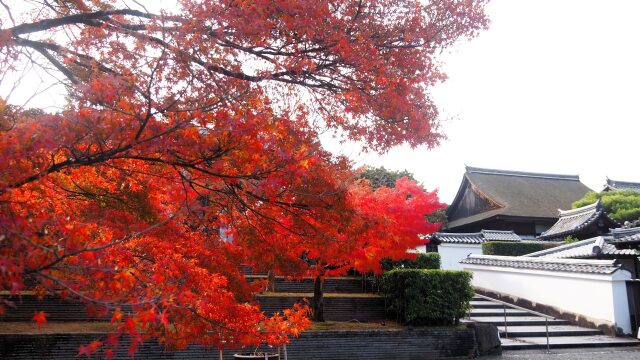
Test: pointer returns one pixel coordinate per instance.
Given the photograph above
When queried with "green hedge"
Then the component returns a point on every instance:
(507, 248)
(430, 260)
(428, 297)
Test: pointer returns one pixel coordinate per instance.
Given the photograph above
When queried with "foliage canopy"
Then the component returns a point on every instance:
(184, 128)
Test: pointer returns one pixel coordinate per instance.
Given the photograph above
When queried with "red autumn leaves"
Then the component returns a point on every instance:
(186, 129)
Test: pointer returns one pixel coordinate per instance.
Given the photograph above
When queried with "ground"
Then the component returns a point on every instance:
(621, 353)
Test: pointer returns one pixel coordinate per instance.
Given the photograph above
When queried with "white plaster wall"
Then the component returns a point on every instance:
(599, 297)
(452, 254)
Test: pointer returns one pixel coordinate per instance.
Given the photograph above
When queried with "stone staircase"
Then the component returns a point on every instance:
(527, 330)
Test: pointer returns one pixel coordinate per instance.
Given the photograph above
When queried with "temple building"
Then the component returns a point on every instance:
(524, 202)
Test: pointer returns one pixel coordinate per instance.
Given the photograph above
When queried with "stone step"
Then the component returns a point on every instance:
(516, 320)
(361, 307)
(558, 342)
(485, 304)
(525, 330)
(498, 312)
(306, 285)
(554, 330)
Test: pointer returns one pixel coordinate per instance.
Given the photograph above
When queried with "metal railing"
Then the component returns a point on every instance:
(504, 307)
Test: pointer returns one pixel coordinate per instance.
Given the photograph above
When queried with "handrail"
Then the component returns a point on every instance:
(504, 307)
(516, 307)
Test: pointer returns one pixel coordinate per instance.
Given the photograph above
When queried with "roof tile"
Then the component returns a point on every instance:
(545, 264)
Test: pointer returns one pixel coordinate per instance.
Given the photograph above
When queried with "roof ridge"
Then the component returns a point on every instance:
(622, 232)
(561, 248)
(613, 182)
(612, 262)
(458, 234)
(477, 170)
(580, 210)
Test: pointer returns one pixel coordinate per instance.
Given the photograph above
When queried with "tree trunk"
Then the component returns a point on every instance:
(271, 281)
(318, 300)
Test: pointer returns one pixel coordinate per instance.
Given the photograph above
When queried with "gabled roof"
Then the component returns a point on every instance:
(571, 222)
(560, 265)
(621, 185)
(474, 238)
(598, 246)
(516, 194)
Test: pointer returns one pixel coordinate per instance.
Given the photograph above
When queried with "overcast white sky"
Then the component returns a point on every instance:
(553, 86)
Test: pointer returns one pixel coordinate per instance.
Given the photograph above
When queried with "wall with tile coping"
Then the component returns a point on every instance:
(601, 298)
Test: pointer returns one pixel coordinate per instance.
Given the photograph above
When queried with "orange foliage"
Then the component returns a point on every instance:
(186, 129)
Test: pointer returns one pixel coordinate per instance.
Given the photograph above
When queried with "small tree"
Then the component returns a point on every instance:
(381, 176)
(385, 224)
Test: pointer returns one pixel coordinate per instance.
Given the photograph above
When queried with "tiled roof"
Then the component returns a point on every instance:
(517, 193)
(621, 185)
(572, 221)
(499, 235)
(589, 248)
(545, 264)
(475, 238)
(625, 236)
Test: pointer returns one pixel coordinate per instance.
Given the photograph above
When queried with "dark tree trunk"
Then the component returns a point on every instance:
(271, 281)
(318, 300)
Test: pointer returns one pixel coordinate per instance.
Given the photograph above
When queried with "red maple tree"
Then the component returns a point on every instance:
(185, 128)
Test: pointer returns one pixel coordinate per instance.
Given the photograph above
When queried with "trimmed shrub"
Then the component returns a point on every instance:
(428, 297)
(508, 248)
(430, 260)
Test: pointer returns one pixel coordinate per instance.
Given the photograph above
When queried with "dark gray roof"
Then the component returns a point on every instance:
(518, 194)
(560, 265)
(474, 238)
(572, 221)
(625, 236)
(621, 185)
(598, 246)
(499, 235)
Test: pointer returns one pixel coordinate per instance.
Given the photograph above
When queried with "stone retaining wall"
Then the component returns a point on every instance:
(335, 308)
(331, 285)
(57, 309)
(423, 343)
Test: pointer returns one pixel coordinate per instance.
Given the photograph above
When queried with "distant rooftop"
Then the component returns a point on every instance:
(621, 185)
(512, 193)
(571, 222)
(625, 236)
(477, 170)
(474, 238)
